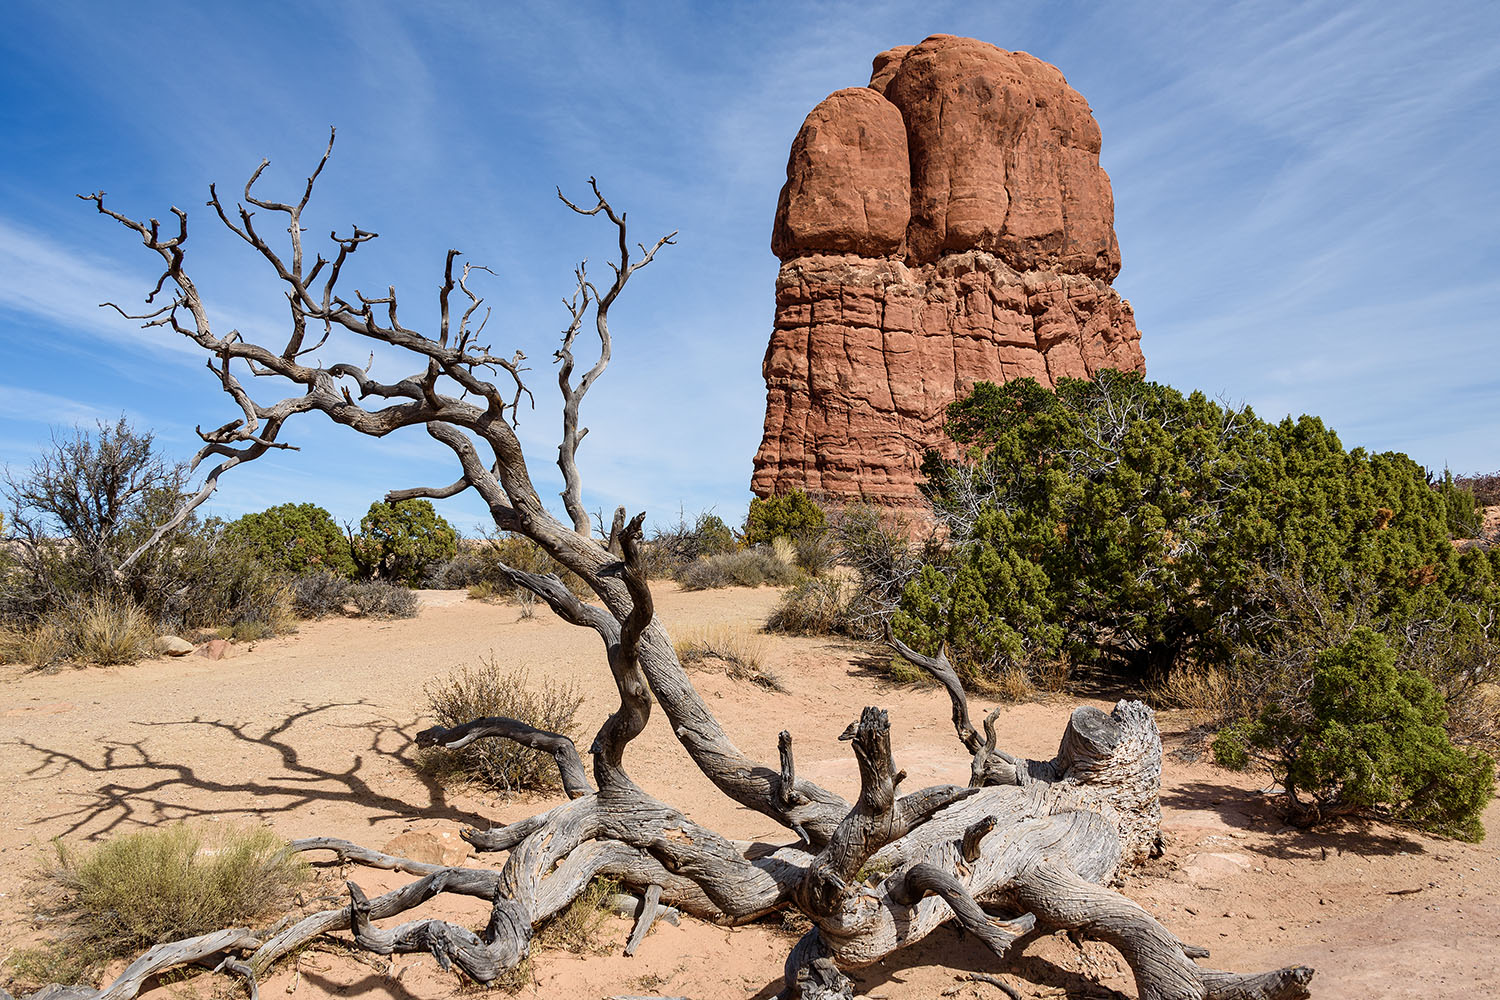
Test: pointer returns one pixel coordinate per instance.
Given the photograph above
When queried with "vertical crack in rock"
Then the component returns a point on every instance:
(948, 224)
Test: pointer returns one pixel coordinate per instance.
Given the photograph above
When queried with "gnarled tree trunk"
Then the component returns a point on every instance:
(1033, 841)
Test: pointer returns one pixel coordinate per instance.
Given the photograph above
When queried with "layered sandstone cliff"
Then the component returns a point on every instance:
(947, 224)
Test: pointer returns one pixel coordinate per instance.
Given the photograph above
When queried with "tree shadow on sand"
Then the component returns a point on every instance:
(141, 786)
(1248, 810)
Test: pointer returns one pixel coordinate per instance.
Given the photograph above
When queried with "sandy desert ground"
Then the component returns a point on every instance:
(313, 735)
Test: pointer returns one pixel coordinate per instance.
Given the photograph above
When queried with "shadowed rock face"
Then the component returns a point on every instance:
(948, 224)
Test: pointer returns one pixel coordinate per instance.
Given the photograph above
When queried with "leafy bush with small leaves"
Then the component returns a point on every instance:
(218, 583)
(477, 692)
(876, 545)
(85, 503)
(379, 599)
(145, 888)
(1122, 521)
(320, 594)
(403, 542)
(816, 554)
(1365, 736)
(294, 538)
(786, 515)
(745, 568)
(83, 507)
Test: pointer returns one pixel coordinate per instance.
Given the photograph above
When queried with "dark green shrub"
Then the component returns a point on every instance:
(401, 542)
(1364, 735)
(294, 538)
(787, 515)
(1121, 520)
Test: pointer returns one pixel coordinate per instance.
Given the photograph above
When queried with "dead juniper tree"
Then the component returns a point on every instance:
(1033, 842)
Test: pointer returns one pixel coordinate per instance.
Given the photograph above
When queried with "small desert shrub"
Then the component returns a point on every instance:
(1364, 737)
(320, 594)
(379, 599)
(463, 571)
(816, 606)
(745, 568)
(1484, 486)
(815, 553)
(145, 888)
(673, 547)
(578, 927)
(477, 692)
(248, 631)
(788, 515)
(476, 567)
(874, 544)
(741, 653)
(486, 590)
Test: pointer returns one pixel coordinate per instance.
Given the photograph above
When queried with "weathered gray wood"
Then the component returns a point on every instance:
(569, 766)
(644, 919)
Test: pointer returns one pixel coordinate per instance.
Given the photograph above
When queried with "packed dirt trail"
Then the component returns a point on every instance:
(313, 734)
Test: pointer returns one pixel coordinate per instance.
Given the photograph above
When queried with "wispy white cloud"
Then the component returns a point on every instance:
(63, 286)
(31, 406)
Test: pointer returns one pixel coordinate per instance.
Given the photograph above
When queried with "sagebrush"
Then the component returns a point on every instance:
(489, 689)
(140, 889)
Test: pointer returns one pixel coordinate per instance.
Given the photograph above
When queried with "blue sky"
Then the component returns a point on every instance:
(1306, 201)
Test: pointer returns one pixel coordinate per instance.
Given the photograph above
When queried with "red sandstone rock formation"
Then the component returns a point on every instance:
(948, 224)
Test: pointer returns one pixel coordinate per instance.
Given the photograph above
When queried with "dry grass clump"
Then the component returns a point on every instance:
(1203, 694)
(106, 629)
(752, 567)
(578, 927)
(101, 628)
(142, 889)
(741, 654)
(477, 692)
(39, 646)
